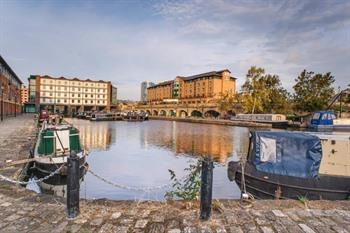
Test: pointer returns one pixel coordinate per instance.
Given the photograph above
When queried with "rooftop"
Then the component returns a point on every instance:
(70, 79)
(2, 60)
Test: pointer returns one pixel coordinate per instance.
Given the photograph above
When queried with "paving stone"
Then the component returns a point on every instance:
(220, 229)
(323, 229)
(156, 228)
(280, 228)
(204, 229)
(306, 228)
(265, 229)
(173, 224)
(122, 229)
(339, 229)
(304, 213)
(278, 213)
(158, 218)
(190, 230)
(294, 229)
(12, 218)
(6, 204)
(60, 227)
(116, 215)
(174, 231)
(96, 222)
(75, 228)
(126, 221)
(141, 223)
(107, 228)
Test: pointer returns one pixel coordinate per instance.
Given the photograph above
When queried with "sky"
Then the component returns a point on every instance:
(128, 42)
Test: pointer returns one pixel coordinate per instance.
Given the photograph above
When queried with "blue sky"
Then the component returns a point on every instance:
(131, 41)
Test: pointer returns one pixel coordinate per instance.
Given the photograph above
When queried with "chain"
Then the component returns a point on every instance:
(132, 188)
(32, 181)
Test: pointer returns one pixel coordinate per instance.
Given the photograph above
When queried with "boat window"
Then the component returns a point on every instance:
(333, 116)
(268, 150)
(325, 116)
(316, 116)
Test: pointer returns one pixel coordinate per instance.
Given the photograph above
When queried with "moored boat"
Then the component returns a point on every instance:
(294, 165)
(54, 145)
(112, 116)
(135, 116)
(327, 120)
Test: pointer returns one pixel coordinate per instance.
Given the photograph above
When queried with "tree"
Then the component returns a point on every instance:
(263, 93)
(227, 102)
(312, 91)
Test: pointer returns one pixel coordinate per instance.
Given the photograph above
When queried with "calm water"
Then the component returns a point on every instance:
(140, 154)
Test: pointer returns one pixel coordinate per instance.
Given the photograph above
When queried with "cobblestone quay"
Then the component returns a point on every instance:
(25, 211)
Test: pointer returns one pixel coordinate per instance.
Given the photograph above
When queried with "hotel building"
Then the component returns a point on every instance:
(70, 95)
(200, 88)
(10, 91)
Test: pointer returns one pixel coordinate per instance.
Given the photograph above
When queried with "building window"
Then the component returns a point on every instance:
(72, 101)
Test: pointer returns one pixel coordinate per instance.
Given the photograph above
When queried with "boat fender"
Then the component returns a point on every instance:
(233, 167)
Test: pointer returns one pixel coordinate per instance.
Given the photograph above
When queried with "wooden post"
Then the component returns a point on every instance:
(73, 186)
(206, 188)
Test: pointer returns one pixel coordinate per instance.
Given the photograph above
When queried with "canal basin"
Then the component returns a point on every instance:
(139, 154)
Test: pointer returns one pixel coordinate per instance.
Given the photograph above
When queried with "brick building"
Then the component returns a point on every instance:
(10, 91)
(200, 88)
(70, 95)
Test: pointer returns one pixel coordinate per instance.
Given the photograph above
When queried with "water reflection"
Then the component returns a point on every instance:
(95, 136)
(216, 141)
(140, 154)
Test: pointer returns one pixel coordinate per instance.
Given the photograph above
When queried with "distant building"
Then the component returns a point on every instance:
(114, 96)
(24, 95)
(201, 88)
(10, 91)
(144, 86)
(69, 95)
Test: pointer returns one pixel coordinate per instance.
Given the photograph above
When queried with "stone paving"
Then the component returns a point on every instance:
(24, 211)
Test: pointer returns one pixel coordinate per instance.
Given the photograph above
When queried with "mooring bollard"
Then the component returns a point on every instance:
(73, 186)
(206, 188)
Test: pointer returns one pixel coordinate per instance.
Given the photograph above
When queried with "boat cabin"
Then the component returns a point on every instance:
(323, 118)
(58, 140)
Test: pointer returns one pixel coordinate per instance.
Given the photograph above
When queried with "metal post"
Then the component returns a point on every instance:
(206, 188)
(73, 186)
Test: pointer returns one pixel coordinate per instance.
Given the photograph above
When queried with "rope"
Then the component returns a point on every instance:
(31, 181)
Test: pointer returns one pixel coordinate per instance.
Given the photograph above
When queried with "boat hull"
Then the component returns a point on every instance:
(268, 186)
(41, 170)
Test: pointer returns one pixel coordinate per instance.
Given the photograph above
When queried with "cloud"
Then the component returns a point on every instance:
(128, 42)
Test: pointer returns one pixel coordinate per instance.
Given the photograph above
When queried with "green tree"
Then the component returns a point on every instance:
(227, 102)
(263, 93)
(312, 91)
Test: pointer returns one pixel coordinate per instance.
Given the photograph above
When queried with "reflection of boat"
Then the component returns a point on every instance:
(106, 116)
(135, 116)
(294, 165)
(54, 145)
(328, 120)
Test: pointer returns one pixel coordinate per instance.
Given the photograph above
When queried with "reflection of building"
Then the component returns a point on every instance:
(144, 86)
(94, 136)
(24, 95)
(10, 94)
(197, 140)
(67, 95)
(200, 88)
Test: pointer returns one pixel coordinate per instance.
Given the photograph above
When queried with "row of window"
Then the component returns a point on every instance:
(9, 76)
(74, 95)
(58, 88)
(73, 83)
(58, 101)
